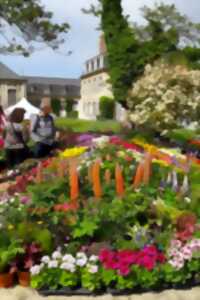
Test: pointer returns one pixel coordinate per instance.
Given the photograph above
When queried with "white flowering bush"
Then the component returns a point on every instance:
(165, 97)
(66, 270)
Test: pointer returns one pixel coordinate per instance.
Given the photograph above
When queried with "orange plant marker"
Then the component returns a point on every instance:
(61, 169)
(39, 174)
(90, 173)
(107, 176)
(147, 168)
(96, 180)
(138, 175)
(119, 181)
(74, 184)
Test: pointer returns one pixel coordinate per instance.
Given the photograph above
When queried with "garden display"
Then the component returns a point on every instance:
(108, 216)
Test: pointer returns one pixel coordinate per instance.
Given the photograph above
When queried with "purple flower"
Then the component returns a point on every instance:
(25, 200)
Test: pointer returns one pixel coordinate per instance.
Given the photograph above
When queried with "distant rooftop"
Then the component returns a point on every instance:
(52, 81)
(6, 73)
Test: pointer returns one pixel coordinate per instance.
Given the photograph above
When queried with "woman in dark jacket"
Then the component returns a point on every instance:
(16, 136)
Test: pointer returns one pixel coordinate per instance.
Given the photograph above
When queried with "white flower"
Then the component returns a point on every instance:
(81, 262)
(187, 199)
(93, 258)
(92, 269)
(53, 264)
(35, 270)
(12, 200)
(56, 255)
(45, 259)
(68, 267)
(69, 258)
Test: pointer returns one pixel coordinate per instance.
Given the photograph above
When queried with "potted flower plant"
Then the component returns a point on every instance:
(8, 253)
(24, 261)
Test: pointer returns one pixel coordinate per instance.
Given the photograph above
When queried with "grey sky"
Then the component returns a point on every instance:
(82, 39)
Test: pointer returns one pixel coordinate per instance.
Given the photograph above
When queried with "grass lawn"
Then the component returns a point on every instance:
(77, 125)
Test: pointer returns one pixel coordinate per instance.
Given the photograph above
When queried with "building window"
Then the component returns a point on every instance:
(12, 97)
(98, 63)
(92, 66)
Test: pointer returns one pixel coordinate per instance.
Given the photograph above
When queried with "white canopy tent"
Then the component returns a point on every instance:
(23, 103)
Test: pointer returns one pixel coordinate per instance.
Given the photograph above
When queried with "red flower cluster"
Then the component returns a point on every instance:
(122, 261)
(117, 141)
(186, 226)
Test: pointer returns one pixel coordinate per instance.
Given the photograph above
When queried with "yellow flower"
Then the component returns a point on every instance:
(161, 162)
(73, 152)
(40, 222)
(10, 227)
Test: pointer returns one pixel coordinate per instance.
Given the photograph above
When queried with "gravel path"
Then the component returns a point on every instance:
(19, 293)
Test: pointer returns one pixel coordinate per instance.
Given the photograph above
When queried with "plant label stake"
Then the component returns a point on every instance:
(119, 180)
(39, 174)
(147, 168)
(139, 175)
(96, 180)
(74, 184)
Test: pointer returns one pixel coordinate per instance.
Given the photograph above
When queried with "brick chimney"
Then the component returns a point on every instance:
(102, 45)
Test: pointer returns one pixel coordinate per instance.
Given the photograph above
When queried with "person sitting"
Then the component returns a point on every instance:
(43, 131)
(15, 137)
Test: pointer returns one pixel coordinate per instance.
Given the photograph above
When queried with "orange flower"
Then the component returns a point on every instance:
(74, 184)
(147, 168)
(139, 175)
(96, 180)
(39, 174)
(119, 180)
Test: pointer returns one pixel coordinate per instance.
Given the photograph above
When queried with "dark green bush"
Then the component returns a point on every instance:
(56, 106)
(107, 107)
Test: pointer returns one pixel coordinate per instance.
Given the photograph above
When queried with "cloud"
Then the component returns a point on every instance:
(82, 39)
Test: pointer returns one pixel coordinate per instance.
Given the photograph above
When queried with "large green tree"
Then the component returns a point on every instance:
(167, 33)
(25, 25)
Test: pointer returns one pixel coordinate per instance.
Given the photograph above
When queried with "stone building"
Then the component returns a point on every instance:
(12, 87)
(95, 84)
(53, 88)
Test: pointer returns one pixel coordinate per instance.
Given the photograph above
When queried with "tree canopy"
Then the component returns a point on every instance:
(25, 24)
(167, 33)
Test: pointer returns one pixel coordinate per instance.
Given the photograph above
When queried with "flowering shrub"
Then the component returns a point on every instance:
(122, 261)
(73, 152)
(65, 270)
(179, 253)
(166, 97)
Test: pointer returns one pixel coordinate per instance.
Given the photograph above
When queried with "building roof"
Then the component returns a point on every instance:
(52, 81)
(6, 73)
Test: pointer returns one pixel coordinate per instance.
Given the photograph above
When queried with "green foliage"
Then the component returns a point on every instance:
(122, 48)
(31, 232)
(34, 24)
(107, 107)
(82, 126)
(69, 103)
(90, 281)
(8, 253)
(86, 227)
(56, 106)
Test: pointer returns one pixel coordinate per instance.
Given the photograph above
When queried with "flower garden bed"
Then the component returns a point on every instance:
(113, 217)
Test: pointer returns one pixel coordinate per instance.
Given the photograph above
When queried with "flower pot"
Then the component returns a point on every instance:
(6, 280)
(24, 278)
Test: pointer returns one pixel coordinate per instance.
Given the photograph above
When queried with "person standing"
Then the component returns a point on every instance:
(2, 125)
(43, 131)
(16, 135)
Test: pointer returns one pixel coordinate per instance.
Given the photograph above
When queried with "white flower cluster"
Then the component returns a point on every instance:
(67, 262)
(165, 97)
(101, 142)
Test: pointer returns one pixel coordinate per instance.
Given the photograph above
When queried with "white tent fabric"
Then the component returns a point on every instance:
(23, 103)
